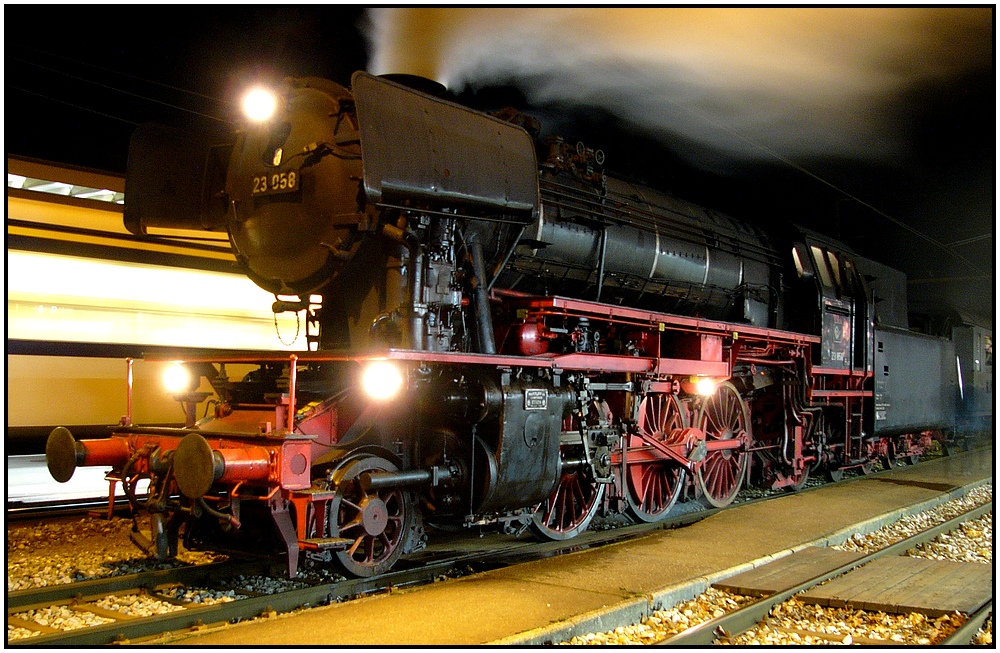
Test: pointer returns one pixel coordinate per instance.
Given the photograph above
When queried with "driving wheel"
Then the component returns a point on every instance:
(569, 509)
(652, 487)
(723, 417)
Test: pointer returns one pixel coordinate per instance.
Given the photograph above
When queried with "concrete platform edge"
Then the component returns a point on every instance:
(633, 611)
(878, 522)
(606, 618)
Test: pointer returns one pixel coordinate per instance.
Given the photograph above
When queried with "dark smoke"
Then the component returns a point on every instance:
(799, 82)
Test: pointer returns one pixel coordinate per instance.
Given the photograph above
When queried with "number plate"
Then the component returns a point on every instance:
(536, 399)
(275, 182)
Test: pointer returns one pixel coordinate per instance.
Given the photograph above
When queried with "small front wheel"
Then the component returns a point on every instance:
(377, 521)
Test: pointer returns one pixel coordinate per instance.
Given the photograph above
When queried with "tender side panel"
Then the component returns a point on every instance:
(915, 382)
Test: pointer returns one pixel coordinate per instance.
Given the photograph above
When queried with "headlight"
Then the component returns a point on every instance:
(177, 378)
(381, 380)
(705, 386)
(259, 104)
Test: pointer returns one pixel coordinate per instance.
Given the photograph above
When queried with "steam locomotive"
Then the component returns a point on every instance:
(499, 334)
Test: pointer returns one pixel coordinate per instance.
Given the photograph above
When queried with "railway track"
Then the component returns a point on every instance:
(728, 627)
(167, 588)
(164, 587)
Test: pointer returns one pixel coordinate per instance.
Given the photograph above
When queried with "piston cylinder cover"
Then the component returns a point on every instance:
(523, 443)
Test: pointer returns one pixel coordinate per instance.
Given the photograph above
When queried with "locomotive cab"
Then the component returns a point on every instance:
(844, 311)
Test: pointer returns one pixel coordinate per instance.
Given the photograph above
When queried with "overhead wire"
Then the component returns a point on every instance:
(75, 106)
(130, 76)
(118, 90)
(913, 230)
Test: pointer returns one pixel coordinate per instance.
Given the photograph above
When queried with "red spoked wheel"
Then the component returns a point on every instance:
(377, 521)
(652, 487)
(724, 416)
(570, 508)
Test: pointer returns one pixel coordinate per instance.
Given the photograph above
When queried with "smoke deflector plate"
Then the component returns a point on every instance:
(444, 155)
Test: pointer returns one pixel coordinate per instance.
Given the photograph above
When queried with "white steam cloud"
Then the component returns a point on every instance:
(798, 81)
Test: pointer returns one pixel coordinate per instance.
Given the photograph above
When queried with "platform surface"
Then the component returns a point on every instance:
(499, 604)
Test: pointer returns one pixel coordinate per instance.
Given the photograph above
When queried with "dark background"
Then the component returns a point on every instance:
(79, 79)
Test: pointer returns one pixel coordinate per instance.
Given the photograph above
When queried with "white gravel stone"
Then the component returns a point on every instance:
(797, 623)
(16, 632)
(204, 596)
(907, 526)
(64, 552)
(137, 605)
(985, 635)
(843, 625)
(663, 623)
(263, 584)
(970, 542)
(61, 617)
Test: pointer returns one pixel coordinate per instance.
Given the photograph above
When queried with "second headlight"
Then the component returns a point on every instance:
(381, 380)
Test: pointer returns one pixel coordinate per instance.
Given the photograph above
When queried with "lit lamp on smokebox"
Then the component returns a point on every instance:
(259, 104)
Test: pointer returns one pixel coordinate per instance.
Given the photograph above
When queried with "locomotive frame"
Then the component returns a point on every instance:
(404, 238)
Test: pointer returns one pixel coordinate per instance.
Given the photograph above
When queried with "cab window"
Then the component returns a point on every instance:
(798, 262)
(825, 276)
(835, 267)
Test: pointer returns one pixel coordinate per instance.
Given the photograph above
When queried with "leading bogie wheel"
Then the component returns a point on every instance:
(724, 416)
(377, 521)
(652, 488)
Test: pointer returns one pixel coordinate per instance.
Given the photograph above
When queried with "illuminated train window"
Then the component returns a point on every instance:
(64, 189)
(74, 299)
(835, 266)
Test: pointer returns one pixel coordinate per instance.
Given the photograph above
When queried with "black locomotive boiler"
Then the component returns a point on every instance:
(497, 337)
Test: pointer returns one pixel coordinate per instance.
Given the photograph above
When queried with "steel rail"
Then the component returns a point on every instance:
(197, 616)
(422, 571)
(41, 510)
(739, 621)
(963, 636)
(129, 629)
(28, 599)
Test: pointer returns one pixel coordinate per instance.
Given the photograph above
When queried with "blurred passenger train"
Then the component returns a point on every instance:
(84, 295)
